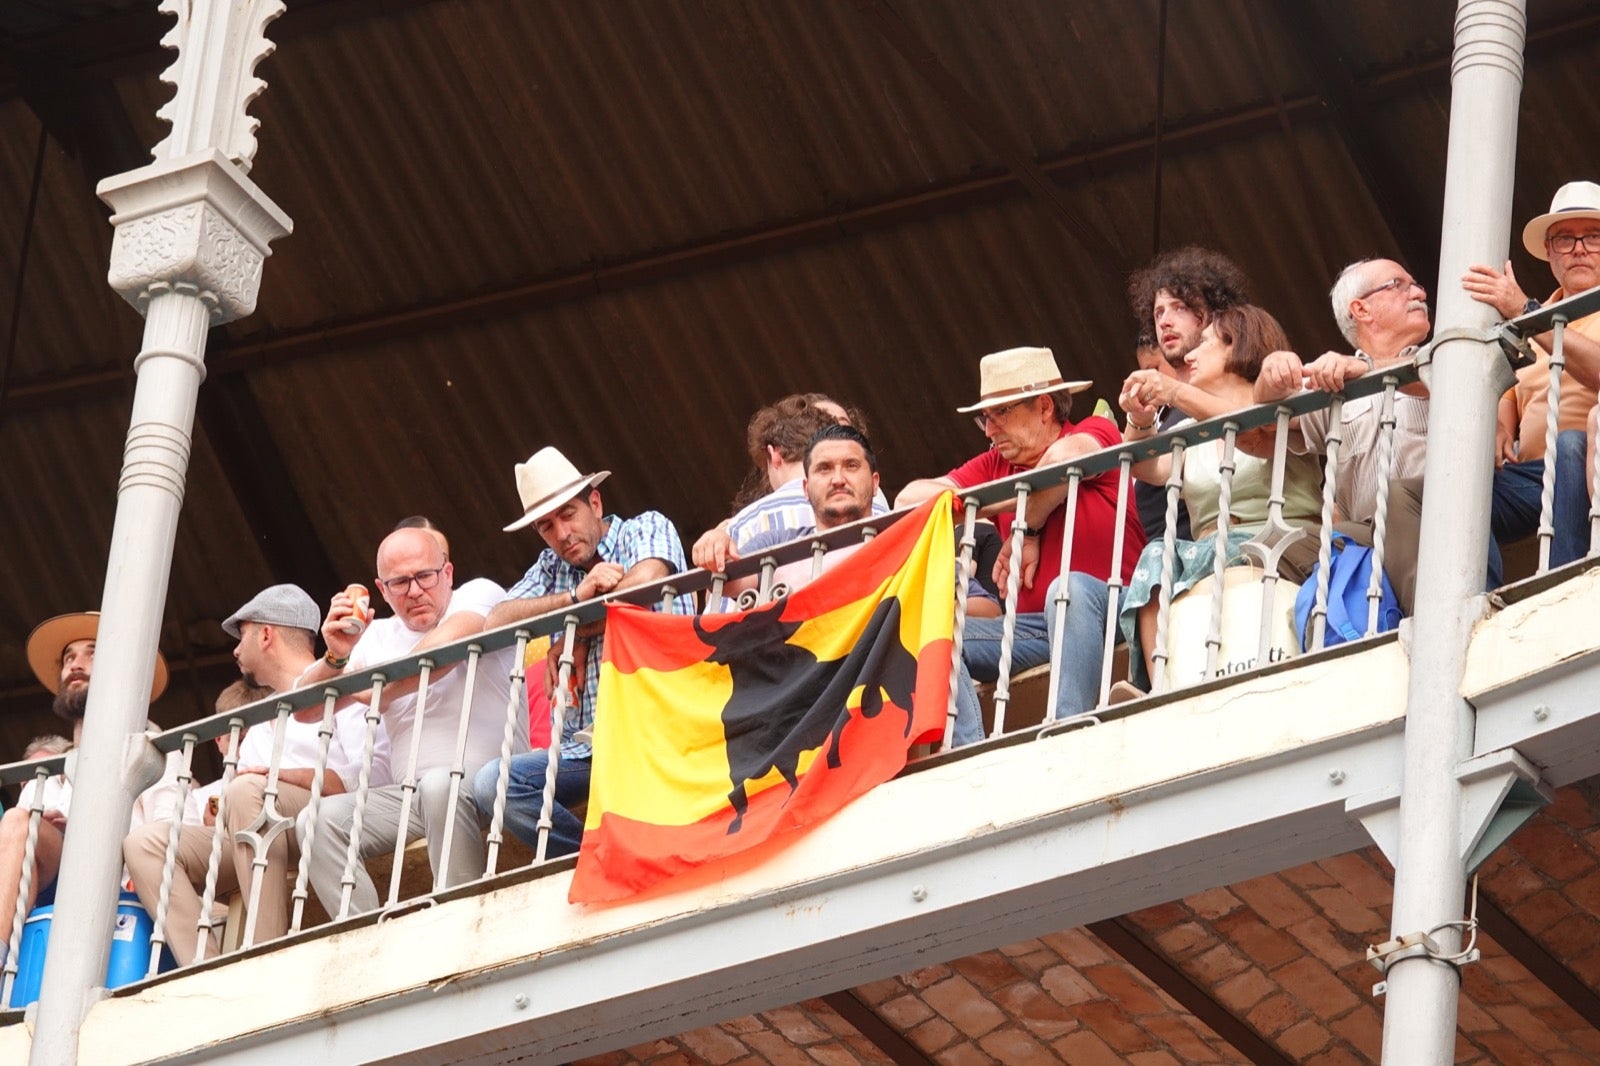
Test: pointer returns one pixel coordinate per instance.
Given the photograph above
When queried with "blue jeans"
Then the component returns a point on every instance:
(1514, 513)
(525, 798)
(1082, 649)
(980, 646)
(1083, 642)
(969, 717)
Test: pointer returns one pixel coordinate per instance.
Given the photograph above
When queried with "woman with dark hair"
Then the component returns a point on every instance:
(1226, 364)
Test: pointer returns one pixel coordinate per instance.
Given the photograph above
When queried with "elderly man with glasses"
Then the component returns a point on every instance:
(417, 581)
(1383, 312)
(1568, 238)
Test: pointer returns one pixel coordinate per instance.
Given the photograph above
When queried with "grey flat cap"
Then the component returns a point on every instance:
(280, 605)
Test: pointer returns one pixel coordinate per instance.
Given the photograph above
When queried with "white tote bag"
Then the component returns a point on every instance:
(1189, 621)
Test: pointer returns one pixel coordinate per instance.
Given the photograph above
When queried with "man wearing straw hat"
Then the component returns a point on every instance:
(417, 581)
(61, 654)
(1568, 238)
(1023, 409)
(588, 554)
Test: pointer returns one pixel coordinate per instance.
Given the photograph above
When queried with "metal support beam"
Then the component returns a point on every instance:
(883, 1036)
(1538, 960)
(1124, 938)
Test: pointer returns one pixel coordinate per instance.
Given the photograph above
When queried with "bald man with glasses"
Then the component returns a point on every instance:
(417, 581)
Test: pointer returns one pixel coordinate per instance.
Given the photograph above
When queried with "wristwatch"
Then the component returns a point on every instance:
(1531, 306)
(1026, 532)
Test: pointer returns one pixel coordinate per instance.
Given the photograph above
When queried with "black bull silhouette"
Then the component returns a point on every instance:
(785, 701)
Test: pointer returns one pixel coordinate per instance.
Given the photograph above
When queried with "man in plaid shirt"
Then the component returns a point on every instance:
(589, 553)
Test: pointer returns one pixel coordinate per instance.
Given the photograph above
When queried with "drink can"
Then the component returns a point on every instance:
(361, 608)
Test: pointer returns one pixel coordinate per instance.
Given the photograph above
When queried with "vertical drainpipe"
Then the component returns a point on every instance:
(1467, 375)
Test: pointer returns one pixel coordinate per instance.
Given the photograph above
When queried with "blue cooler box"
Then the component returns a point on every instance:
(130, 949)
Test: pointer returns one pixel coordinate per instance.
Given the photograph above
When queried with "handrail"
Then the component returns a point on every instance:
(1569, 309)
(25, 770)
(696, 580)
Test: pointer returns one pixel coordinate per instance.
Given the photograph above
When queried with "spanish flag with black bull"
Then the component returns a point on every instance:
(718, 733)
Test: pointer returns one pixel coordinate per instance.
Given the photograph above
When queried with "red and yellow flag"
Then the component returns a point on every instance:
(716, 733)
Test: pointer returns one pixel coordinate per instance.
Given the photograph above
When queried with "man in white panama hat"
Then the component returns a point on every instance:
(1023, 409)
(1568, 238)
(588, 554)
(417, 581)
(61, 654)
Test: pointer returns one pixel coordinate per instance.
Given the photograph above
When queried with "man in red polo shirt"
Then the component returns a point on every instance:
(1023, 410)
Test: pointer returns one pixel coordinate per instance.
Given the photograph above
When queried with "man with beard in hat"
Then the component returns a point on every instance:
(61, 653)
(588, 554)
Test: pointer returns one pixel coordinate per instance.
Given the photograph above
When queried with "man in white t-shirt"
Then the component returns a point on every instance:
(418, 582)
(276, 634)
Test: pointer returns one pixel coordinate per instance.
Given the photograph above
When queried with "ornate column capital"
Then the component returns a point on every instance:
(195, 221)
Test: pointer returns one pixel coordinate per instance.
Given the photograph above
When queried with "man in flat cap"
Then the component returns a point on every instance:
(1023, 410)
(61, 653)
(276, 633)
(1568, 238)
(417, 581)
(588, 553)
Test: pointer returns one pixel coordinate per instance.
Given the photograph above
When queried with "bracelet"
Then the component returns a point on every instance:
(1027, 532)
(573, 592)
(1147, 427)
(336, 663)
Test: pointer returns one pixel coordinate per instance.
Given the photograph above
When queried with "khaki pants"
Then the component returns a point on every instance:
(245, 798)
(1400, 551)
(145, 852)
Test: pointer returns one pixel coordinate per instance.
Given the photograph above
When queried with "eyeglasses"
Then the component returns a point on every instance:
(1567, 243)
(995, 414)
(1392, 283)
(425, 579)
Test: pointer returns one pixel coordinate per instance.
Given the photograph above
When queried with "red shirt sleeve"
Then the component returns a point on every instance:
(1101, 429)
(985, 466)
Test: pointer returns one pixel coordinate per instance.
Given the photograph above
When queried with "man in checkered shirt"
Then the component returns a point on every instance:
(589, 553)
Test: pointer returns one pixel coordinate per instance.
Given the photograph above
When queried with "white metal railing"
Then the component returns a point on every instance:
(366, 689)
(1516, 335)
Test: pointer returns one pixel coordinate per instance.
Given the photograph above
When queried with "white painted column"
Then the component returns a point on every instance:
(192, 233)
(191, 237)
(1467, 377)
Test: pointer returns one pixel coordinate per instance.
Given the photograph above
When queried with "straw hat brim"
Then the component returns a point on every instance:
(1534, 232)
(554, 499)
(49, 637)
(1013, 395)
